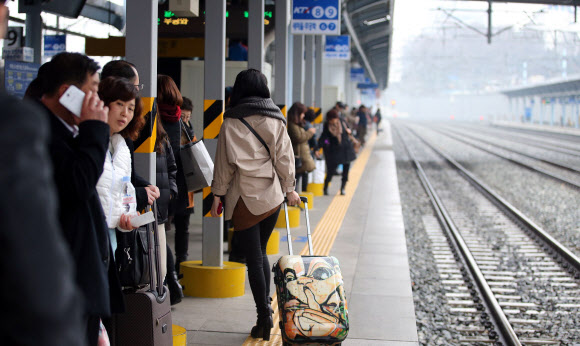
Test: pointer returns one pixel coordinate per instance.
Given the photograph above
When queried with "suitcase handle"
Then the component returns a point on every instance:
(289, 236)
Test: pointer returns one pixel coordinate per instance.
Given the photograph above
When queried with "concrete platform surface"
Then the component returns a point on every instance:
(371, 247)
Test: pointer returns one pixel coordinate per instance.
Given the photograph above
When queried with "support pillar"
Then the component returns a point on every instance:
(282, 11)
(34, 33)
(563, 115)
(309, 71)
(141, 48)
(576, 114)
(542, 109)
(552, 117)
(319, 51)
(298, 68)
(213, 106)
(256, 34)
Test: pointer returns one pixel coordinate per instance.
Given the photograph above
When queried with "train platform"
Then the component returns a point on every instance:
(364, 229)
(537, 127)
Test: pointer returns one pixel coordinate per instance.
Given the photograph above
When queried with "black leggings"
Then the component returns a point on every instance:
(331, 171)
(254, 240)
(304, 178)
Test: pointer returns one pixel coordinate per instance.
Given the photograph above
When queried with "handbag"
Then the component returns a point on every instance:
(297, 162)
(197, 165)
(355, 143)
(132, 257)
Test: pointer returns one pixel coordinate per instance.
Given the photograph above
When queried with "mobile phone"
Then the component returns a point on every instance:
(220, 208)
(72, 99)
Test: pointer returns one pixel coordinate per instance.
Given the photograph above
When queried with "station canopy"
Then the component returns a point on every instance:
(370, 24)
(555, 88)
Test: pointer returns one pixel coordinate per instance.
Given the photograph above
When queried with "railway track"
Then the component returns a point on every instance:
(561, 147)
(554, 170)
(505, 279)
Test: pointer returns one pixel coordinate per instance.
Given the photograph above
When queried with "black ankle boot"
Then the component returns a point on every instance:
(262, 328)
(270, 305)
(175, 289)
(342, 189)
(326, 189)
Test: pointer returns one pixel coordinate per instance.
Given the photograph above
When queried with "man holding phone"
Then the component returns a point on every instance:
(78, 149)
(41, 304)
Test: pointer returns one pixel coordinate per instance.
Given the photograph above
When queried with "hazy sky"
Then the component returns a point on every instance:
(413, 16)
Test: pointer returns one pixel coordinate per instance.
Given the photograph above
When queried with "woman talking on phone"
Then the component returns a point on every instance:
(254, 169)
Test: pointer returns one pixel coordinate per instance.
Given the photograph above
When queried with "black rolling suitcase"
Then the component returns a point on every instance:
(311, 298)
(147, 320)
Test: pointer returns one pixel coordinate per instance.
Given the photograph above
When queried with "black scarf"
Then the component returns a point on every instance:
(255, 106)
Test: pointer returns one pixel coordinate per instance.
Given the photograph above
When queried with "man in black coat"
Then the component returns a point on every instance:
(41, 302)
(78, 149)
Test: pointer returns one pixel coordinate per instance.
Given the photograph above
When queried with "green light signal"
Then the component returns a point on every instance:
(266, 14)
(169, 14)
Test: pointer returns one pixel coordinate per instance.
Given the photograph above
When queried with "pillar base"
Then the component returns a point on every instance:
(273, 246)
(179, 336)
(316, 189)
(310, 197)
(293, 217)
(213, 282)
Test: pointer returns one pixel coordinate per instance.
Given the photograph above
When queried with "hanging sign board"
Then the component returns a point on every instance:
(316, 17)
(357, 74)
(18, 75)
(54, 44)
(337, 47)
(367, 85)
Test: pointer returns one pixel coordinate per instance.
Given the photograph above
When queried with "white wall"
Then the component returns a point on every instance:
(334, 77)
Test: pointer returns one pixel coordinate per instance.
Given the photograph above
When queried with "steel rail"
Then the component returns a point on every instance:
(553, 163)
(518, 162)
(572, 260)
(507, 334)
(538, 143)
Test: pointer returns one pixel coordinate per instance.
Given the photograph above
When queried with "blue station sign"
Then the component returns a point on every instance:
(316, 17)
(357, 74)
(54, 44)
(367, 85)
(337, 47)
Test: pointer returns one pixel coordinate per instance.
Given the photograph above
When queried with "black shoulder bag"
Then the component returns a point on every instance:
(297, 160)
(256, 134)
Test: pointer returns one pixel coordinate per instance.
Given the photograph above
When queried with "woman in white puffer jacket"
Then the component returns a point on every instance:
(125, 120)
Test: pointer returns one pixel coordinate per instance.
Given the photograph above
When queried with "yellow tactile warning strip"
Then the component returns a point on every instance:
(325, 232)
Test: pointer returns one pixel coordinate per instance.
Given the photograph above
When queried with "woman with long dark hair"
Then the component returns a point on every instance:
(337, 148)
(169, 102)
(300, 137)
(252, 178)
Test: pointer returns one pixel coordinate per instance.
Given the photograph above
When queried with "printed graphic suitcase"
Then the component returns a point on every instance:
(311, 298)
(147, 319)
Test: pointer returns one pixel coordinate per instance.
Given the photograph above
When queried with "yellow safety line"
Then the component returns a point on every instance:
(325, 232)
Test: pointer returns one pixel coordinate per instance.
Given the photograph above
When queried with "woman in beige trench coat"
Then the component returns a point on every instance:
(252, 174)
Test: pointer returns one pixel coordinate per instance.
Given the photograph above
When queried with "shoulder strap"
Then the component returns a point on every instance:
(184, 130)
(256, 134)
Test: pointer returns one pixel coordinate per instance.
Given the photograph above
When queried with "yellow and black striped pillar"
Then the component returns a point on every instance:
(318, 112)
(145, 144)
(213, 117)
(283, 110)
